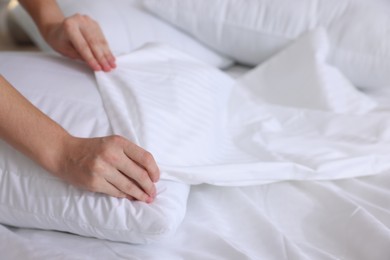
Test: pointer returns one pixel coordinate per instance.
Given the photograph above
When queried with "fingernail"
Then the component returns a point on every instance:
(106, 68)
(112, 63)
(96, 67)
(149, 200)
(156, 179)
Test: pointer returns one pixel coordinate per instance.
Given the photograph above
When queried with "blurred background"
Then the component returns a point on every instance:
(12, 36)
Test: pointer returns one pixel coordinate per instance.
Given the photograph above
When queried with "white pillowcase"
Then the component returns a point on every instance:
(32, 198)
(126, 27)
(300, 76)
(253, 30)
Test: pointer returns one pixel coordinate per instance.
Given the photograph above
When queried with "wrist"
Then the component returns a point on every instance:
(56, 153)
(45, 14)
(47, 28)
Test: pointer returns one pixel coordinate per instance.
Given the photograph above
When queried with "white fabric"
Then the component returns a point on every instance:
(237, 71)
(348, 219)
(343, 219)
(32, 198)
(289, 119)
(126, 27)
(251, 31)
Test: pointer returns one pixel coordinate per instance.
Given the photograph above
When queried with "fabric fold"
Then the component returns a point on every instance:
(294, 117)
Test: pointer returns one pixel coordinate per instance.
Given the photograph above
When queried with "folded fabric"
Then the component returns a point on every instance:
(30, 197)
(251, 31)
(203, 127)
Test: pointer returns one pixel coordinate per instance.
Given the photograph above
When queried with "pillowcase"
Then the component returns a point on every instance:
(32, 198)
(126, 27)
(251, 31)
(308, 81)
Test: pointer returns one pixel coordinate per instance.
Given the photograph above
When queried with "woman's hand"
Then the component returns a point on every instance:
(80, 37)
(77, 37)
(110, 165)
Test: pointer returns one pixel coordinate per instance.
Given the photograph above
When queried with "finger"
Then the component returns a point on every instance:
(127, 186)
(82, 47)
(130, 197)
(98, 44)
(138, 174)
(109, 56)
(72, 53)
(111, 190)
(111, 59)
(144, 159)
(98, 53)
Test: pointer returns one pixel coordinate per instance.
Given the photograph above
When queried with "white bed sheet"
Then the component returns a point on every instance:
(346, 219)
(343, 219)
(294, 117)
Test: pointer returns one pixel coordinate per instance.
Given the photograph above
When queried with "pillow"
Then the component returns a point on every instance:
(251, 31)
(32, 198)
(307, 80)
(126, 27)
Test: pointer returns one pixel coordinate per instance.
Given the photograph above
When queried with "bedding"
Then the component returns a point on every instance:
(236, 71)
(203, 127)
(328, 219)
(126, 27)
(344, 219)
(252, 31)
(32, 198)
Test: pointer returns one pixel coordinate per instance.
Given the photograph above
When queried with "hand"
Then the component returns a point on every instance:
(80, 37)
(110, 165)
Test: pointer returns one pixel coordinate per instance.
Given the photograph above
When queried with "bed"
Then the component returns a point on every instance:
(342, 212)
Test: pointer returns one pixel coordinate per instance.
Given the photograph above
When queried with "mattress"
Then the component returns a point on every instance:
(328, 219)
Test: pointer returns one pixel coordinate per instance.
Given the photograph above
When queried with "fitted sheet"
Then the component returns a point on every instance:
(337, 219)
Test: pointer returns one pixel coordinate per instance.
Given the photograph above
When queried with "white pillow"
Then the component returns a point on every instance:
(126, 26)
(253, 30)
(32, 198)
(299, 76)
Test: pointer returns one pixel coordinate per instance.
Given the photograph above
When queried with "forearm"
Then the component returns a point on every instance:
(43, 12)
(111, 165)
(27, 129)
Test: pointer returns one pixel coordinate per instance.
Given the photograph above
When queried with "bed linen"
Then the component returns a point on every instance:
(251, 31)
(211, 129)
(30, 197)
(339, 219)
(344, 219)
